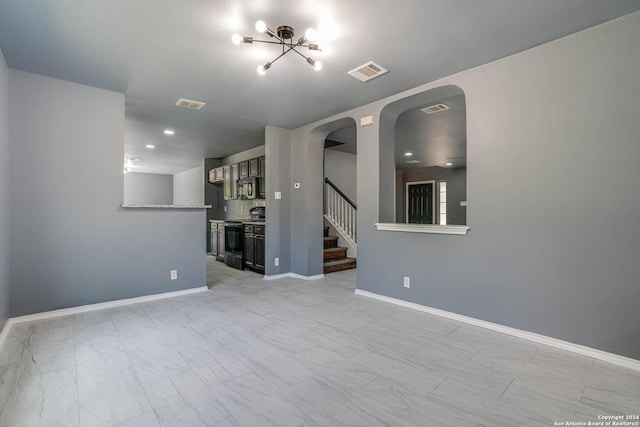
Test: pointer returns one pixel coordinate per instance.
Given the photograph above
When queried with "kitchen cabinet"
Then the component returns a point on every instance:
(217, 239)
(230, 181)
(254, 168)
(254, 247)
(216, 175)
(227, 182)
(234, 181)
(229, 175)
(249, 247)
(243, 169)
(259, 253)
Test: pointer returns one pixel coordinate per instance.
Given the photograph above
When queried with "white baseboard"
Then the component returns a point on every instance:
(6, 329)
(299, 276)
(294, 276)
(277, 276)
(625, 362)
(103, 305)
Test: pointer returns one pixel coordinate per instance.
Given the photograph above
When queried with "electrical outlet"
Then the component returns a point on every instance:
(225, 208)
(276, 262)
(407, 282)
(277, 195)
(241, 208)
(174, 274)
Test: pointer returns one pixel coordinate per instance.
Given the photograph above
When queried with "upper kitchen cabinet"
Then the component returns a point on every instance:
(233, 182)
(243, 169)
(229, 175)
(230, 178)
(254, 167)
(216, 176)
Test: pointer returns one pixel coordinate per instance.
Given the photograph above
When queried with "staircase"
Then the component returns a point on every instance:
(335, 257)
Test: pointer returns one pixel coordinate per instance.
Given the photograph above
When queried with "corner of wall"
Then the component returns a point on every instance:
(4, 192)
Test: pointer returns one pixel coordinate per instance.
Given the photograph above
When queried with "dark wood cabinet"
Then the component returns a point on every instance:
(217, 239)
(254, 247)
(233, 182)
(244, 169)
(227, 182)
(259, 252)
(254, 169)
(249, 247)
(228, 176)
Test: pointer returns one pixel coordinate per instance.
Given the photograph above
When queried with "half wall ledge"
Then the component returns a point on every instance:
(459, 230)
(165, 206)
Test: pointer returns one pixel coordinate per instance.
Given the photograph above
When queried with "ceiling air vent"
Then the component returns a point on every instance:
(435, 108)
(188, 103)
(367, 71)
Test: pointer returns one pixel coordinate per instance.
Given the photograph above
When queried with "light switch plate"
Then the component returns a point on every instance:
(277, 195)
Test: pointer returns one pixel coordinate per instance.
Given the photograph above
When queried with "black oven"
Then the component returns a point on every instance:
(233, 244)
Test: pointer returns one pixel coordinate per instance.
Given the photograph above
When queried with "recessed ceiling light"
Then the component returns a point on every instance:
(169, 132)
(413, 161)
(150, 146)
(448, 164)
(408, 154)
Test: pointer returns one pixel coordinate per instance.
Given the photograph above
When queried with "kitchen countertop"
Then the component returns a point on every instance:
(244, 221)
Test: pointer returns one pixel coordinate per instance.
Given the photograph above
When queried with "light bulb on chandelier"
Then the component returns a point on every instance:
(284, 36)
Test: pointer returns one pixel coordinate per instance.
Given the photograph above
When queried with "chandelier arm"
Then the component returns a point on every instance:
(266, 41)
(271, 33)
(283, 54)
(293, 49)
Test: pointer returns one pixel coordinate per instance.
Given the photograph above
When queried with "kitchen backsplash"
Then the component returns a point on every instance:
(239, 209)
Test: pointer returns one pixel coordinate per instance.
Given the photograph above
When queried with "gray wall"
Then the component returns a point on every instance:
(456, 190)
(340, 168)
(552, 144)
(4, 193)
(148, 188)
(75, 245)
(188, 187)
(278, 232)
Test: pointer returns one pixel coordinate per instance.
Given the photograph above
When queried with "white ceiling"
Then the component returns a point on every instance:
(156, 51)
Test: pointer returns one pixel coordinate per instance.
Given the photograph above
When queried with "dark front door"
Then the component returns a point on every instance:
(420, 203)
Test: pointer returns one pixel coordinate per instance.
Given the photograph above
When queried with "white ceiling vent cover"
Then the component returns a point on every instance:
(367, 71)
(435, 108)
(188, 103)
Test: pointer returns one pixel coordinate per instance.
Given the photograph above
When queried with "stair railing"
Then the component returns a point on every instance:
(341, 212)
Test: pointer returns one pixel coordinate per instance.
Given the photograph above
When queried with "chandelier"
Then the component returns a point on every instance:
(284, 37)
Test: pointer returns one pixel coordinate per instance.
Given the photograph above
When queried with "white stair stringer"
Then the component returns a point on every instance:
(343, 238)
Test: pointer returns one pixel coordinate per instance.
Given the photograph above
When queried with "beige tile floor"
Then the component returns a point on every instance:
(287, 352)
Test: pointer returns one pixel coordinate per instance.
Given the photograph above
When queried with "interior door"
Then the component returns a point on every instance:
(420, 203)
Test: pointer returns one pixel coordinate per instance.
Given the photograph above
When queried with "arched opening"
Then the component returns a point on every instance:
(423, 159)
(336, 245)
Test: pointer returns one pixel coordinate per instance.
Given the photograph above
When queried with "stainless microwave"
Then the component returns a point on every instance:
(248, 188)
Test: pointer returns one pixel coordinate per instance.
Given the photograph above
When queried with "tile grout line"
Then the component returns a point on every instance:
(505, 390)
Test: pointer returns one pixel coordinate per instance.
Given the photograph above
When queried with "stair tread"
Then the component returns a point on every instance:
(338, 249)
(330, 238)
(339, 262)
